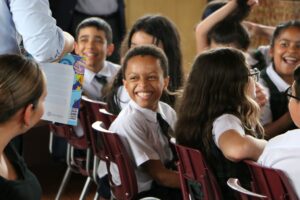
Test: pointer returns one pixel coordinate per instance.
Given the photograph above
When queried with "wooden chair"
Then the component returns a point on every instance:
(269, 183)
(195, 175)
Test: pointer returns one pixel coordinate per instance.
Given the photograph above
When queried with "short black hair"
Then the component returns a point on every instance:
(230, 32)
(146, 50)
(99, 24)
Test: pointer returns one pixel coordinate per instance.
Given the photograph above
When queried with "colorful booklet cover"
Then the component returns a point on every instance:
(64, 85)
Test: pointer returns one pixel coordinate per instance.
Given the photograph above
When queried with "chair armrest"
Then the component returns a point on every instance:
(234, 184)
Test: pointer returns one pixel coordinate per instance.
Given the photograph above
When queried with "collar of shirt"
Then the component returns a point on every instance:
(276, 79)
(167, 113)
(149, 114)
(105, 71)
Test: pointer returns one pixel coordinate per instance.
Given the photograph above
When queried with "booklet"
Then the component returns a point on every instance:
(64, 85)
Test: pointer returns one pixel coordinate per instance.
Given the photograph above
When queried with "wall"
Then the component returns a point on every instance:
(184, 13)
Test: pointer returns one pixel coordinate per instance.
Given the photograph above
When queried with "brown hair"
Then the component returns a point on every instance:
(21, 83)
(217, 85)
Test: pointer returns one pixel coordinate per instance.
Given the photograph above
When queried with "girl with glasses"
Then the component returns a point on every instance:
(278, 76)
(217, 114)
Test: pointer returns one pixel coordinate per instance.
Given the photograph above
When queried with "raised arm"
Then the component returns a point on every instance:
(237, 147)
(259, 29)
(208, 23)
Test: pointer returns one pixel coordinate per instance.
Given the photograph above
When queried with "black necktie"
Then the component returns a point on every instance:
(101, 79)
(165, 128)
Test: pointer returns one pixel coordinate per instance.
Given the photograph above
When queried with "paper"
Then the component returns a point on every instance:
(64, 85)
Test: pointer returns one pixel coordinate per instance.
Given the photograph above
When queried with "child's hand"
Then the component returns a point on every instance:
(261, 96)
(252, 2)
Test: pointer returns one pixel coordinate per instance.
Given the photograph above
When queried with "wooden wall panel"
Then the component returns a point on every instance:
(184, 13)
(273, 12)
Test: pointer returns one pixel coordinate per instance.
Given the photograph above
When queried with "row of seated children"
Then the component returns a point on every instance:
(230, 129)
(134, 140)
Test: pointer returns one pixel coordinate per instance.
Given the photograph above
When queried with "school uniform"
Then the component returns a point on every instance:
(93, 87)
(282, 152)
(141, 135)
(277, 102)
(221, 166)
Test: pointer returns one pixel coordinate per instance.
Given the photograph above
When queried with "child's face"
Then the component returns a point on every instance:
(294, 108)
(144, 81)
(92, 45)
(142, 38)
(286, 52)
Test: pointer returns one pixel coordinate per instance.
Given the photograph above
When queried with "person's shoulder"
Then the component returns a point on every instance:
(130, 114)
(228, 118)
(287, 138)
(113, 66)
(165, 107)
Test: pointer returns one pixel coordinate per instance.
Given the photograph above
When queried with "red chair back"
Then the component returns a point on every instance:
(194, 169)
(270, 182)
(111, 150)
(90, 113)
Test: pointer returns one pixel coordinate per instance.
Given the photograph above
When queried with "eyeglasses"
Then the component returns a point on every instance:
(288, 93)
(255, 73)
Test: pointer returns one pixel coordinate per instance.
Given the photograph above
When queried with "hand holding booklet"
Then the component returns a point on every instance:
(64, 85)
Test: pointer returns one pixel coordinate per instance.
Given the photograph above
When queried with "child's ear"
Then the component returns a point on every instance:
(76, 48)
(110, 49)
(166, 82)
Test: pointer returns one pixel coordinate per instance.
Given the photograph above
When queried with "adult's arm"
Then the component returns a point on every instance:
(42, 38)
(208, 23)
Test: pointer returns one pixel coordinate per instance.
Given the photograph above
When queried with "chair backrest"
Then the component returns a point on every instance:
(89, 113)
(270, 182)
(114, 152)
(195, 175)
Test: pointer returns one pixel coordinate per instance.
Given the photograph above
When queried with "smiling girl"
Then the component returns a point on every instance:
(278, 76)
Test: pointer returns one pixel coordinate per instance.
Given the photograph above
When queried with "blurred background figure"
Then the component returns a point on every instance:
(69, 13)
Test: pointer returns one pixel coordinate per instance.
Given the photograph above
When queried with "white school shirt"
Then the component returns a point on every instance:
(93, 88)
(224, 123)
(123, 97)
(266, 113)
(283, 152)
(141, 135)
(30, 21)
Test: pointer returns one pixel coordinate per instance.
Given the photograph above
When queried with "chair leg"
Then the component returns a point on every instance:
(51, 142)
(63, 183)
(85, 188)
(96, 196)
